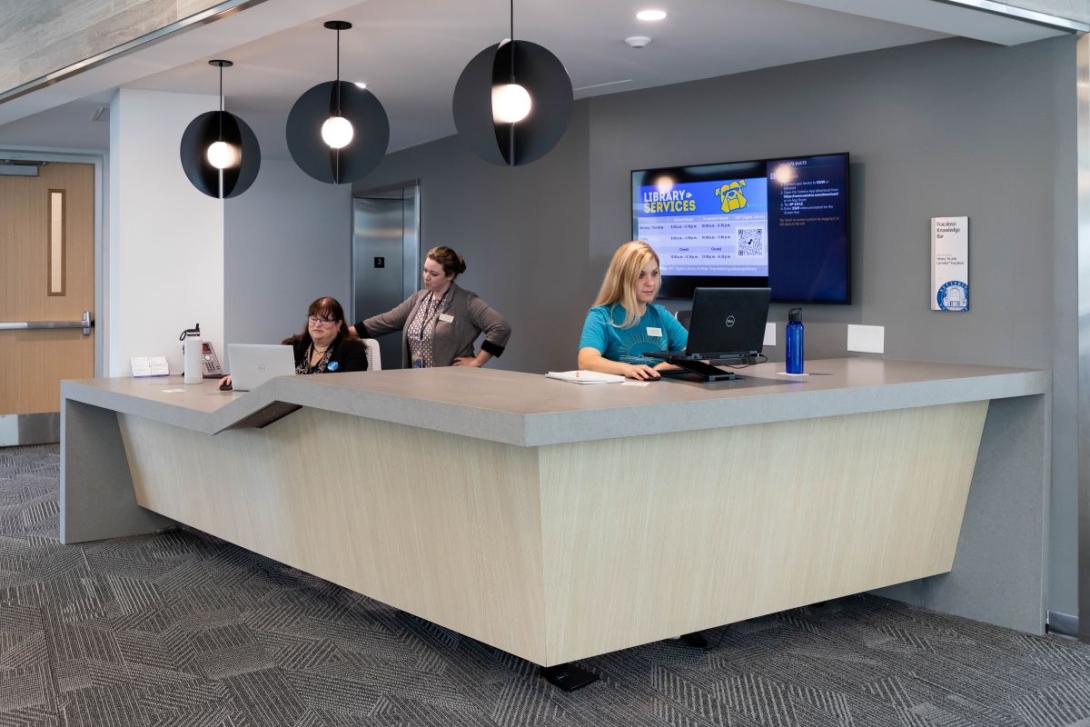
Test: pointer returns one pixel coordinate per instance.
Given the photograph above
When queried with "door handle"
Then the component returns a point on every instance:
(86, 323)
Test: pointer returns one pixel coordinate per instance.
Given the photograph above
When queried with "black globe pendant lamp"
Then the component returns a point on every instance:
(220, 154)
(513, 101)
(337, 132)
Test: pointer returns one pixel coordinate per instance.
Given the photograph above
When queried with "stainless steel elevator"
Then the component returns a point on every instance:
(385, 256)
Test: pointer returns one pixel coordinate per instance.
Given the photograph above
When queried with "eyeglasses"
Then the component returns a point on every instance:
(320, 320)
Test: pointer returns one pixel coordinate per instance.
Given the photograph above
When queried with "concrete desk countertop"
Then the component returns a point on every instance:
(530, 410)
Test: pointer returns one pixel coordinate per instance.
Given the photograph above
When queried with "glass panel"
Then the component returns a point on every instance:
(56, 242)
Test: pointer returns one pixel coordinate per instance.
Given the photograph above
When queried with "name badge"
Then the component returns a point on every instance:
(446, 318)
(654, 332)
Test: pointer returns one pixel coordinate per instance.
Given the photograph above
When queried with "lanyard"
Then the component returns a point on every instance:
(429, 315)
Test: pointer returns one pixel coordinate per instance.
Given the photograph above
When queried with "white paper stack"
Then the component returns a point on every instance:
(149, 366)
(585, 377)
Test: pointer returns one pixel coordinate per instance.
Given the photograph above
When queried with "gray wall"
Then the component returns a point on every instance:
(946, 128)
(287, 241)
(522, 232)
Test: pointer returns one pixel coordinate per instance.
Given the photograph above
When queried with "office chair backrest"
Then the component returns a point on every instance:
(374, 354)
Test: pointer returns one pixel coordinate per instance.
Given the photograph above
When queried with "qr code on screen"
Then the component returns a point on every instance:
(751, 242)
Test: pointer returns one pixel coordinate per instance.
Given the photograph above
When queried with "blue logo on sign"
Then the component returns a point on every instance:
(953, 295)
(333, 366)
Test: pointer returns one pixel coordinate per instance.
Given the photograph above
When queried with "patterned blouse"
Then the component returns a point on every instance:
(319, 368)
(422, 330)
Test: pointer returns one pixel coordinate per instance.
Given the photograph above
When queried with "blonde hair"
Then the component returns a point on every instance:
(619, 284)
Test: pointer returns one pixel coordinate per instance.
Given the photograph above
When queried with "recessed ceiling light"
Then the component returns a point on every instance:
(361, 85)
(651, 15)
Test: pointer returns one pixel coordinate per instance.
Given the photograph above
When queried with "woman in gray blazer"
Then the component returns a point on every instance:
(440, 323)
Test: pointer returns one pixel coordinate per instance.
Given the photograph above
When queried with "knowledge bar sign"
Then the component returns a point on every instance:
(950, 263)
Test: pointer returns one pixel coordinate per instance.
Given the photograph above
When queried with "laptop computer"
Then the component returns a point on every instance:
(726, 323)
(253, 364)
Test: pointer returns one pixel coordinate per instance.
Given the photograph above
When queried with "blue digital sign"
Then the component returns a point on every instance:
(780, 222)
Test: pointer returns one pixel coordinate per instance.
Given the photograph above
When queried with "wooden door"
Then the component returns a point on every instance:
(46, 274)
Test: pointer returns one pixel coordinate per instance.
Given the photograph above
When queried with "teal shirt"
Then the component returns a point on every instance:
(657, 330)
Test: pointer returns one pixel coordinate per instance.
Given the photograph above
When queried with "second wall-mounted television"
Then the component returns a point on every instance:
(783, 223)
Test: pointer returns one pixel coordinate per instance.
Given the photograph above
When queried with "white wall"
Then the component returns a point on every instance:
(287, 241)
(165, 253)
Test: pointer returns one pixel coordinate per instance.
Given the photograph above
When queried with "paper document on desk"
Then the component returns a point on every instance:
(585, 377)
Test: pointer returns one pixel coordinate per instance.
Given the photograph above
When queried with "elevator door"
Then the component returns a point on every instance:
(385, 255)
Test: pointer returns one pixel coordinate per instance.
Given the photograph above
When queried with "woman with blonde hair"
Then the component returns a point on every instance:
(625, 323)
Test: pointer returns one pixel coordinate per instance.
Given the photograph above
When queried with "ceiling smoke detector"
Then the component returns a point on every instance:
(637, 41)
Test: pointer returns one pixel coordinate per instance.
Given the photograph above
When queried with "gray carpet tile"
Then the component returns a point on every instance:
(184, 629)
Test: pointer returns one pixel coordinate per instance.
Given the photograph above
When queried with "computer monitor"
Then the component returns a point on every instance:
(254, 364)
(726, 323)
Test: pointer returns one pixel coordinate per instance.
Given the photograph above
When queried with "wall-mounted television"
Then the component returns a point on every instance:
(783, 223)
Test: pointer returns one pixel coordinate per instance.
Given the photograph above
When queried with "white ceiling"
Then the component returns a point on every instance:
(410, 53)
(65, 127)
(958, 17)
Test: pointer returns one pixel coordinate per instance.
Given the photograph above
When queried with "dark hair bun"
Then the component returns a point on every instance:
(452, 262)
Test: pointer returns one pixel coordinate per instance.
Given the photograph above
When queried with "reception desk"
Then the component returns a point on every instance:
(558, 522)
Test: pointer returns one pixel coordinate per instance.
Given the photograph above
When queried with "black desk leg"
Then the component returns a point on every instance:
(696, 639)
(568, 677)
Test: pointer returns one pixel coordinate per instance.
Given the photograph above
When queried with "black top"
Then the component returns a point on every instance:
(348, 353)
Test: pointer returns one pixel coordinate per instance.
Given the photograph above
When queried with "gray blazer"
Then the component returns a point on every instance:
(472, 316)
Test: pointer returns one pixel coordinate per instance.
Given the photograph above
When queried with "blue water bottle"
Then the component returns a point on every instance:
(794, 341)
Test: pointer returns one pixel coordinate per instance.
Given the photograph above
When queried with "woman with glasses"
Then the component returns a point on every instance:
(440, 323)
(325, 346)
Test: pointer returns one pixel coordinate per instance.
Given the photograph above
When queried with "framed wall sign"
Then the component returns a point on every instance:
(950, 264)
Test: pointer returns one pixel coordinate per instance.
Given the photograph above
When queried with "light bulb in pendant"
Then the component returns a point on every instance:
(511, 103)
(222, 155)
(337, 132)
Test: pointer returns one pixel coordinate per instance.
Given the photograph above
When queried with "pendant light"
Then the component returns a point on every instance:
(220, 154)
(513, 101)
(337, 132)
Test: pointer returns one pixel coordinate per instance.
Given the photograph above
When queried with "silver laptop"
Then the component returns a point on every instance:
(253, 364)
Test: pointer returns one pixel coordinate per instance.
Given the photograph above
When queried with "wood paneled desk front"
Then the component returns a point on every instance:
(558, 522)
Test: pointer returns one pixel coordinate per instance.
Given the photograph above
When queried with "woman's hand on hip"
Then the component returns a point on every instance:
(466, 361)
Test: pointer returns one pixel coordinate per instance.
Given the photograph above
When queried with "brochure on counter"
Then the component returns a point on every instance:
(585, 377)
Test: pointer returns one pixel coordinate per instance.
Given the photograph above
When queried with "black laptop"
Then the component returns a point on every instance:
(727, 323)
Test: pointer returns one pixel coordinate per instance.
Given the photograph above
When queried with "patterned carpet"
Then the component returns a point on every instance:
(182, 629)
